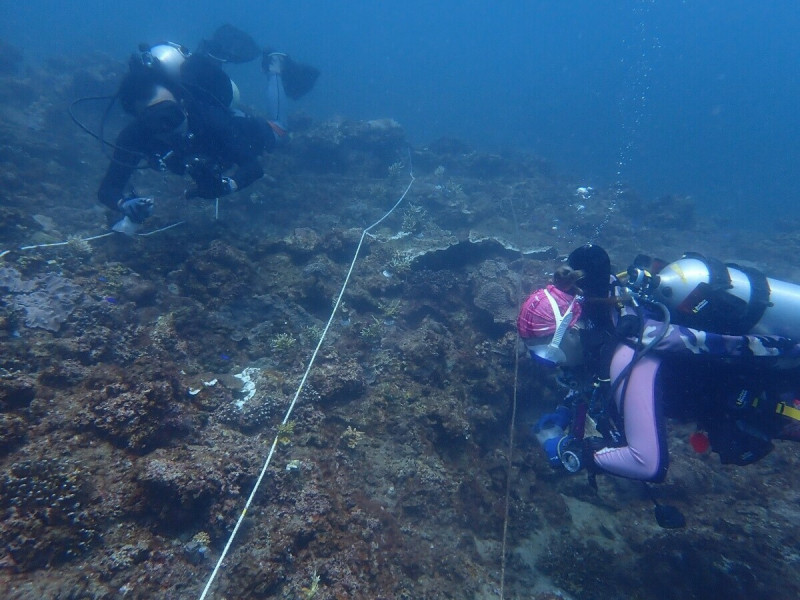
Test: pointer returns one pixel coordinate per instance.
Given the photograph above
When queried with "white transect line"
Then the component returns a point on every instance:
(364, 233)
(89, 239)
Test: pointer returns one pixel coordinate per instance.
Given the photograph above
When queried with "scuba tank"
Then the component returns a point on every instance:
(727, 298)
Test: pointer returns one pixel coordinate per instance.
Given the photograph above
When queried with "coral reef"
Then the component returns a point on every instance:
(47, 300)
(47, 514)
(137, 417)
(143, 380)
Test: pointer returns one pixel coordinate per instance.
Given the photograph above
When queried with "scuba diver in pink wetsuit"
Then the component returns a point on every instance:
(695, 338)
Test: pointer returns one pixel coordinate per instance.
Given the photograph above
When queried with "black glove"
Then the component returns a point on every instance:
(590, 446)
(136, 209)
(211, 189)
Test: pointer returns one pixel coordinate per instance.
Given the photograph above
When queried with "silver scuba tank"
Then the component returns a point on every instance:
(709, 295)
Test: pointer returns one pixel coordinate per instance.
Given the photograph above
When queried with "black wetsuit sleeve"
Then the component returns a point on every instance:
(234, 141)
(248, 139)
(248, 172)
(130, 149)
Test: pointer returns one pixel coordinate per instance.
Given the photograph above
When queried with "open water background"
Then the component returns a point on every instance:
(688, 97)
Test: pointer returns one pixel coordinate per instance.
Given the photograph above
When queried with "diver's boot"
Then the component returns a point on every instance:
(272, 62)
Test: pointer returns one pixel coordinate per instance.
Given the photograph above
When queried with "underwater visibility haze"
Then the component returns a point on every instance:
(696, 98)
(448, 159)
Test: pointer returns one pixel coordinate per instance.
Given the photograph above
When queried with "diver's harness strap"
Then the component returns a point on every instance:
(787, 411)
(759, 296)
(603, 411)
(718, 276)
(711, 308)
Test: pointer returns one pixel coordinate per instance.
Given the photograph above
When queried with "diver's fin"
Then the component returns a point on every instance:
(298, 79)
(667, 517)
(230, 44)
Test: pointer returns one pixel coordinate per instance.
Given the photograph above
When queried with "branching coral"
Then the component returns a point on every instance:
(373, 330)
(400, 263)
(352, 436)
(283, 342)
(285, 431)
(311, 591)
(390, 309)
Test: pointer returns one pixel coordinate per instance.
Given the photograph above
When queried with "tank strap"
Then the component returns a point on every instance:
(759, 296)
(729, 314)
(718, 277)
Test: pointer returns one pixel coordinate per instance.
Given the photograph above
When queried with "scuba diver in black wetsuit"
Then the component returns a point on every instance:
(185, 121)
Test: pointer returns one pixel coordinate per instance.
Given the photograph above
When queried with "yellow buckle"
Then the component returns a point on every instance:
(788, 411)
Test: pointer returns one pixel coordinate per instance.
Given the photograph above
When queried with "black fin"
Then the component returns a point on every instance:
(230, 44)
(298, 79)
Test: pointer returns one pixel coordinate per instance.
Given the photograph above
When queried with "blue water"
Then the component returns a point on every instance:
(694, 97)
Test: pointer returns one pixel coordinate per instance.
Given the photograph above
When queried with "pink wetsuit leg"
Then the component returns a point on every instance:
(641, 458)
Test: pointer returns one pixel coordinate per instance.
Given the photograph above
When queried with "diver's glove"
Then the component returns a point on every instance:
(229, 185)
(591, 445)
(212, 189)
(136, 209)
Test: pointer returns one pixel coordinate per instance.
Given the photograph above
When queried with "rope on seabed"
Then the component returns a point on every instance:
(364, 234)
(511, 426)
(91, 238)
